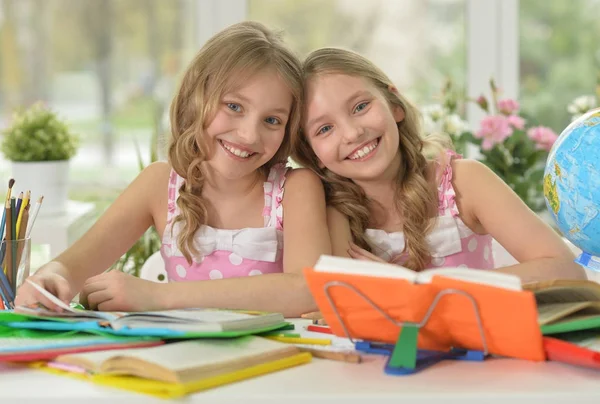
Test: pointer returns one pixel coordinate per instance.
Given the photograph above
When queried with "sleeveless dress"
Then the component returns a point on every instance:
(451, 242)
(228, 253)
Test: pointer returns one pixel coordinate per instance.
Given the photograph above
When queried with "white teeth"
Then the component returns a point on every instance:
(237, 152)
(364, 151)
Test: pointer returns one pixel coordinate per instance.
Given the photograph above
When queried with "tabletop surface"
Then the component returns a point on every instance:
(495, 380)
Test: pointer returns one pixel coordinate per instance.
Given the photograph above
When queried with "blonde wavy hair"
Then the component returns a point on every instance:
(224, 62)
(416, 196)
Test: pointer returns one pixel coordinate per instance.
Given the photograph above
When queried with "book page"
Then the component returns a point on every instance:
(480, 276)
(180, 356)
(196, 315)
(73, 315)
(565, 291)
(547, 313)
(349, 266)
(197, 319)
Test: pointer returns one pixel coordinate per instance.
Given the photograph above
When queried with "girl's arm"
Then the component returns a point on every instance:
(488, 205)
(339, 232)
(305, 238)
(117, 230)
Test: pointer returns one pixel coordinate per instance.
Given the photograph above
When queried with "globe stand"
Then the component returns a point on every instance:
(589, 261)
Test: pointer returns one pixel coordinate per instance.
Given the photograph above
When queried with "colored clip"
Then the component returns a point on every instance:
(404, 357)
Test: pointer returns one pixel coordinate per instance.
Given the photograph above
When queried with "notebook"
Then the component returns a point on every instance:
(184, 323)
(567, 305)
(178, 368)
(508, 314)
(188, 323)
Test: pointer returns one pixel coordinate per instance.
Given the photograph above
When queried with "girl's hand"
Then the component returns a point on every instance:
(359, 253)
(51, 281)
(117, 291)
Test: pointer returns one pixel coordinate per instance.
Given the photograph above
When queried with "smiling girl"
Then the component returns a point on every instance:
(394, 196)
(219, 204)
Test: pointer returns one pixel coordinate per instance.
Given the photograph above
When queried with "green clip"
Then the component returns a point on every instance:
(405, 350)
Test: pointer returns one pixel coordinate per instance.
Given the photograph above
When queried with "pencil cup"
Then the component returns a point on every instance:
(15, 256)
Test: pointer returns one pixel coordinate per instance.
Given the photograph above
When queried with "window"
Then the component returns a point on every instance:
(559, 57)
(109, 67)
(417, 43)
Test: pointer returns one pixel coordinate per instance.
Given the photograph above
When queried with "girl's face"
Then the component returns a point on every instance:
(249, 125)
(351, 127)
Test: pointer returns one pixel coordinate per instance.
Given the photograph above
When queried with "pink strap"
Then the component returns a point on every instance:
(274, 186)
(174, 183)
(446, 194)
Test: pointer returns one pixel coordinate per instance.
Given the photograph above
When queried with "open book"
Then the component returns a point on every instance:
(567, 305)
(176, 369)
(195, 320)
(185, 320)
(338, 265)
(182, 362)
(453, 307)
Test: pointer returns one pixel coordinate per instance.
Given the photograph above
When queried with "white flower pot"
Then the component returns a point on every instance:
(47, 178)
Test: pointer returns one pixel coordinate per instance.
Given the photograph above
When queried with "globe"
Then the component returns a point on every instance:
(572, 185)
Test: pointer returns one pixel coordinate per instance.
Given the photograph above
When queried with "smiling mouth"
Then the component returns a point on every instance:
(365, 151)
(234, 151)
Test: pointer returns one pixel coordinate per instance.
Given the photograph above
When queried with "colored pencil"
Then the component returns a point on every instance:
(317, 328)
(7, 242)
(308, 341)
(342, 356)
(33, 216)
(21, 243)
(13, 244)
(11, 182)
(24, 205)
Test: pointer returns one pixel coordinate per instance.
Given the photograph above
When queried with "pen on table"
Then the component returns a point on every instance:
(308, 341)
(317, 328)
(280, 334)
(342, 356)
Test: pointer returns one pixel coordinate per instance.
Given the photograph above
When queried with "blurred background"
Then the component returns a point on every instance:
(110, 68)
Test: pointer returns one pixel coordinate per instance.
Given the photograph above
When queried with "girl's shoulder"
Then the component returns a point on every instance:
(155, 174)
(303, 178)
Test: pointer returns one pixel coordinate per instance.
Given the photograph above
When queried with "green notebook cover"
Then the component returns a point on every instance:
(25, 321)
(576, 324)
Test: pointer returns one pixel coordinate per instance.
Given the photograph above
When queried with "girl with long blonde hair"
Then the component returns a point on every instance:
(396, 196)
(219, 203)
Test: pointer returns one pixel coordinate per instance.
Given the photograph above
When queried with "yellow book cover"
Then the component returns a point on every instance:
(181, 368)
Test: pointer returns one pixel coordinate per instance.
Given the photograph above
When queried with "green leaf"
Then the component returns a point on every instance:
(37, 134)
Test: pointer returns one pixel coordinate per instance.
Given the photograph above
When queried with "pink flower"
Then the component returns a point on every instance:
(494, 129)
(543, 137)
(508, 106)
(516, 121)
(482, 102)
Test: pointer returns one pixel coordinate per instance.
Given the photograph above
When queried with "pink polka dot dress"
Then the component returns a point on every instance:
(228, 253)
(451, 242)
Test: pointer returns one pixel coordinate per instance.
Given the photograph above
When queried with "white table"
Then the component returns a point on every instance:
(59, 231)
(323, 381)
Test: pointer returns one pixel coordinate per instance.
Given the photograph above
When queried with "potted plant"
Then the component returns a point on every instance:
(39, 146)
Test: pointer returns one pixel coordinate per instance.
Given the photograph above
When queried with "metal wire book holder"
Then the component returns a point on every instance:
(404, 357)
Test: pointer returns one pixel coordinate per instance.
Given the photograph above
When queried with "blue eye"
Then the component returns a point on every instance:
(272, 120)
(324, 129)
(361, 106)
(234, 107)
